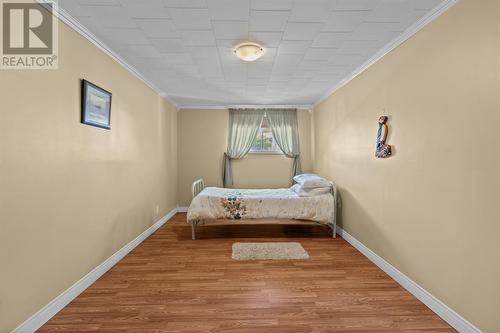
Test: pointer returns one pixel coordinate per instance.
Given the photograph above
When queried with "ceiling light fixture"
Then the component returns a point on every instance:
(249, 51)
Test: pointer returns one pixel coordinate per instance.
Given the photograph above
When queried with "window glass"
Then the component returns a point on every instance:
(264, 141)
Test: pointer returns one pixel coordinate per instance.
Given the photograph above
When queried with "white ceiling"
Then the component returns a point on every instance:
(184, 47)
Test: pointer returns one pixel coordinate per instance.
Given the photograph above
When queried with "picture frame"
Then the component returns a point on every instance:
(96, 105)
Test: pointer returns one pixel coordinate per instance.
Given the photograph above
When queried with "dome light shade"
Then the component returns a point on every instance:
(249, 51)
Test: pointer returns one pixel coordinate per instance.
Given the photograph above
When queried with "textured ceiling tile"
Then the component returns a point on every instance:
(156, 66)
(268, 57)
(185, 47)
(99, 2)
(311, 65)
(226, 56)
(178, 58)
(330, 39)
(90, 23)
(145, 9)
(204, 52)
(184, 3)
(228, 43)
(168, 45)
(260, 71)
(211, 71)
(358, 47)
(271, 4)
(305, 74)
(198, 38)
(390, 11)
(335, 71)
(356, 4)
(376, 31)
(142, 51)
(345, 21)
(142, 3)
(157, 28)
(425, 4)
(408, 19)
(290, 60)
(319, 54)
(191, 18)
(111, 16)
(252, 81)
(302, 31)
(311, 11)
(230, 29)
(186, 69)
(74, 8)
(267, 39)
(124, 36)
(235, 73)
(294, 46)
(229, 9)
(285, 64)
(268, 20)
(345, 60)
(325, 78)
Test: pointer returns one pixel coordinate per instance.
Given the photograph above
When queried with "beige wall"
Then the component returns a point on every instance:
(432, 210)
(203, 140)
(70, 194)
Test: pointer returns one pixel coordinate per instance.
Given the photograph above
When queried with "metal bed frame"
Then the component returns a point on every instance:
(199, 185)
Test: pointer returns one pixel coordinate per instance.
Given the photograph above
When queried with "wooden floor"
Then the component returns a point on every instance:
(170, 283)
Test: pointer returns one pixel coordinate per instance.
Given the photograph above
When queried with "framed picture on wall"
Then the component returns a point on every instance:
(96, 105)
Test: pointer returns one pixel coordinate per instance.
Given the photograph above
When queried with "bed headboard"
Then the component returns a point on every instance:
(197, 187)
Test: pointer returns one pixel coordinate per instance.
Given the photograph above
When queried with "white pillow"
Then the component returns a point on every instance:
(311, 180)
(309, 192)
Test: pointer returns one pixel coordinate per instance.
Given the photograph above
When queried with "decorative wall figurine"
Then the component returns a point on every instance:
(382, 150)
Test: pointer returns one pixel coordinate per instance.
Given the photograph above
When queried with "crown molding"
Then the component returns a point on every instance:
(409, 32)
(73, 23)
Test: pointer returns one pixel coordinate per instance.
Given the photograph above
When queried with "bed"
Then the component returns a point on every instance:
(216, 206)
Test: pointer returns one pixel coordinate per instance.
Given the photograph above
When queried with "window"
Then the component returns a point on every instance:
(264, 141)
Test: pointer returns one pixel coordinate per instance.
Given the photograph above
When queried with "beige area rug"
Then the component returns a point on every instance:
(269, 251)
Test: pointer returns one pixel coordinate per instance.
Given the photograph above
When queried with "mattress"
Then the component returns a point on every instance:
(241, 204)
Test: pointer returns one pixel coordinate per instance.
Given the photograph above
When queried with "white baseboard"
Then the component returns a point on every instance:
(182, 209)
(57, 304)
(442, 310)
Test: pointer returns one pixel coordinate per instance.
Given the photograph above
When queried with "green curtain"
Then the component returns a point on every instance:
(243, 127)
(283, 123)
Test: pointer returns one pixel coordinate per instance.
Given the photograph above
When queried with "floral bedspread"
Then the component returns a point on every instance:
(224, 203)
